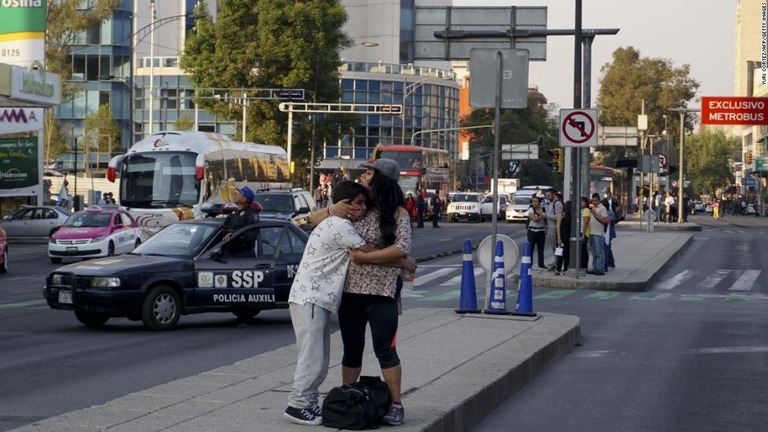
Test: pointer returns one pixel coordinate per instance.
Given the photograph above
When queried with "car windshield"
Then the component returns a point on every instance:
(521, 200)
(88, 220)
(180, 239)
(275, 203)
(463, 197)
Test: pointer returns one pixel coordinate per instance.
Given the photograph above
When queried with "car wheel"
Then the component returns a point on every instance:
(56, 260)
(160, 309)
(4, 267)
(111, 249)
(89, 319)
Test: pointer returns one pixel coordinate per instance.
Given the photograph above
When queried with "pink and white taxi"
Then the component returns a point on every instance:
(95, 232)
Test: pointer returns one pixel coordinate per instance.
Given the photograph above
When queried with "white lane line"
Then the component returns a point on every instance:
(421, 280)
(714, 279)
(731, 350)
(454, 281)
(676, 280)
(746, 281)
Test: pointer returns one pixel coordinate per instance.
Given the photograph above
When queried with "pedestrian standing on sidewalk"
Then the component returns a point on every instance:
(537, 229)
(370, 291)
(315, 295)
(421, 208)
(563, 237)
(584, 231)
(437, 209)
(597, 219)
(554, 210)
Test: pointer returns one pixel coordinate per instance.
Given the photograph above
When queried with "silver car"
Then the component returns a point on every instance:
(34, 221)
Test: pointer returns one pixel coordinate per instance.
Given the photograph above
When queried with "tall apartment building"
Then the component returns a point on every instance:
(113, 67)
(748, 81)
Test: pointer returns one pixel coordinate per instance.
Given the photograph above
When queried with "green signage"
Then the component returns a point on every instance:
(17, 16)
(18, 163)
(761, 164)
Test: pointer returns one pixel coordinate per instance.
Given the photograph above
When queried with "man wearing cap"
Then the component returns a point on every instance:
(244, 215)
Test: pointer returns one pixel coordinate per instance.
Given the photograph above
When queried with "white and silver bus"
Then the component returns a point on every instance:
(170, 176)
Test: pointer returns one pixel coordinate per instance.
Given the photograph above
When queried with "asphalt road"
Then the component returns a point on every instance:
(689, 355)
(51, 364)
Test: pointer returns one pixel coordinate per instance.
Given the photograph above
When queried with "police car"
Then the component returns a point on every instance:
(185, 268)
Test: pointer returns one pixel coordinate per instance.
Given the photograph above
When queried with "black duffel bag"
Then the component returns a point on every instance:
(357, 406)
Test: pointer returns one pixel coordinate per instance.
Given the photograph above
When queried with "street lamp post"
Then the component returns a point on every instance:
(139, 35)
(409, 89)
(680, 183)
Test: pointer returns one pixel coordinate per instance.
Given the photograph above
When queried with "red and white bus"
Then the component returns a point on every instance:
(421, 168)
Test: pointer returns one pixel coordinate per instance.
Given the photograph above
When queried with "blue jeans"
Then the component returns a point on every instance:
(597, 244)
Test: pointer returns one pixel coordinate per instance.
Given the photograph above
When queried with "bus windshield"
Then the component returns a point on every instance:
(159, 180)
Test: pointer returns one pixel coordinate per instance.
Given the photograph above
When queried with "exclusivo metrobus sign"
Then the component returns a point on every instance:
(734, 110)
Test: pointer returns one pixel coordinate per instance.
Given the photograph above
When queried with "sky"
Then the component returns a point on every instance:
(695, 32)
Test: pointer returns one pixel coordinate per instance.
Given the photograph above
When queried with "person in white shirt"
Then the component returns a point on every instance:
(316, 294)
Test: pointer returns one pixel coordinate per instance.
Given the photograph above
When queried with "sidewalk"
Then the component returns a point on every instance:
(456, 368)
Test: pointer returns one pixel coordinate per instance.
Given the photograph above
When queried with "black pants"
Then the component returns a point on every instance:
(536, 239)
(360, 310)
(436, 217)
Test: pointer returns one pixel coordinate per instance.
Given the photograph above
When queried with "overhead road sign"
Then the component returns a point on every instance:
(578, 128)
(617, 136)
(519, 151)
(450, 33)
(349, 108)
(733, 110)
(514, 78)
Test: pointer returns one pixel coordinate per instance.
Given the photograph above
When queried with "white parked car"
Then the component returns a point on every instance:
(465, 205)
(487, 208)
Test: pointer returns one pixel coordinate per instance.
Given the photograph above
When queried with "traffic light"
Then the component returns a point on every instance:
(557, 160)
(749, 158)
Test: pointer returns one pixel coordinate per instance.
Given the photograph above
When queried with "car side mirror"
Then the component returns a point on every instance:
(216, 255)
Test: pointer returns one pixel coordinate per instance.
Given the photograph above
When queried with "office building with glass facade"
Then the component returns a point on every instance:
(111, 64)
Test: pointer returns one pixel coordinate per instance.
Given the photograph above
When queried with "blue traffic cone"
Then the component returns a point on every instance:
(524, 289)
(468, 294)
(497, 304)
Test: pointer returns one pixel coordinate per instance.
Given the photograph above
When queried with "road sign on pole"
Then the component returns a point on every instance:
(514, 79)
(578, 128)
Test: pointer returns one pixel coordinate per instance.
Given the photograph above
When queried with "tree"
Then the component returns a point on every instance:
(708, 157)
(271, 44)
(66, 20)
(102, 133)
(517, 127)
(184, 123)
(55, 141)
(631, 79)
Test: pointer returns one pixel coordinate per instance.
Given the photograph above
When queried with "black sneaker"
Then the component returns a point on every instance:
(302, 416)
(395, 415)
(316, 409)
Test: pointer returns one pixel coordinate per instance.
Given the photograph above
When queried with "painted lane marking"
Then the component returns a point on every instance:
(602, 295)
(556, 294)
(714, 279)
(421, 280)
(456, 280)
(676, 280)
(650, 296)
(22, 304)
(745, 281)
(731, 350)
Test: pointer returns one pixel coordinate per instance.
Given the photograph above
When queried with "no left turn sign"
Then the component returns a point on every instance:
(578, 128)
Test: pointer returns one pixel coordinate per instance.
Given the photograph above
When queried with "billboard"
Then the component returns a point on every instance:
(19, 167)
(22, 31)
